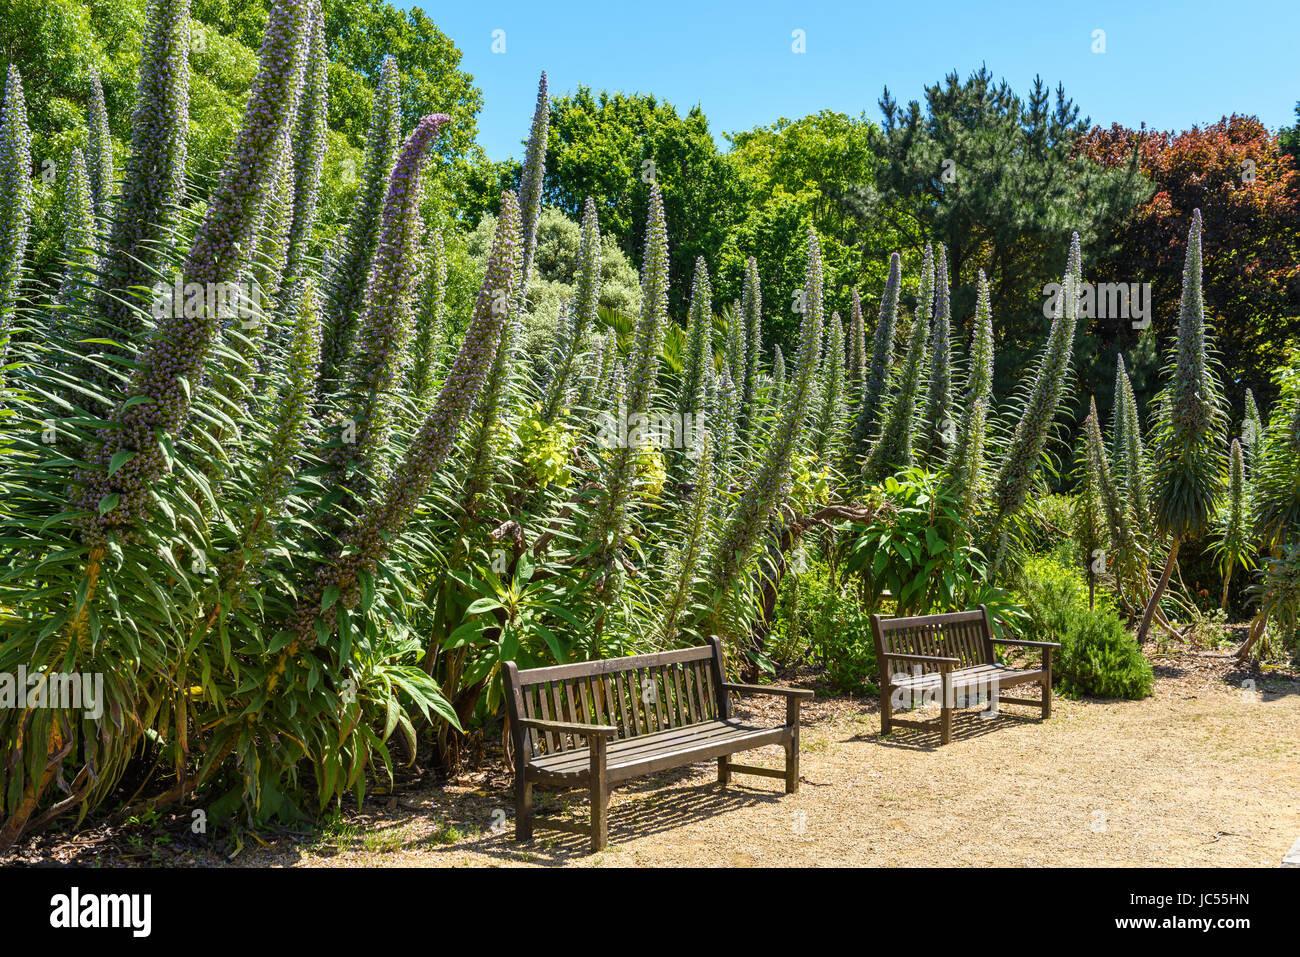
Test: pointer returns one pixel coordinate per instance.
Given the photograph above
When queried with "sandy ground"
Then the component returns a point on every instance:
(1206, 772)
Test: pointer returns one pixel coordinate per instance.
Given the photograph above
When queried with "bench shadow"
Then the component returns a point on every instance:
(966, 726)
(655, 809)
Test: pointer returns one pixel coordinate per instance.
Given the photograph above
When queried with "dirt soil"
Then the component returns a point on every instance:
(1205, 772)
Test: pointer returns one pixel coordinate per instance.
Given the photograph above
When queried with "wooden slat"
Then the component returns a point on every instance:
(691, 706)
(617, 703)
(530, 711)
(634, 702)
(552, 745)
(533, 676)
(681, 717)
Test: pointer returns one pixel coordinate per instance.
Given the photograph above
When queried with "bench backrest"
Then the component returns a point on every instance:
(638, 695)
(965, 635)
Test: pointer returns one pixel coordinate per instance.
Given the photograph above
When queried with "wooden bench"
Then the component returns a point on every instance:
(950, 657)
(596, 723)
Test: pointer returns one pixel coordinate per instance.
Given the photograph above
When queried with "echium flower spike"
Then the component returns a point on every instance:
(294, 401)
(431, 324)
(894, 449)
(1121, 536)
(310, 132)
(347, 274)
(586, 300)
(751, 304)
(99, 152)
(682, 564)
(856, 362)
(747, 522)
(532, 179)
(826, 436)
(1252, 432)
(386, 516)
(1233, 545)
(720, 421)
(777, 395)
(1188, 466)
(78, 226)
(966, 468)
(1021, 462)
(644, 359)
(978, 387)
(387, 315)
(699, 342)
(158, 400)
(15, 201)
(155, 168)
(874, 392)
(939, 411)
(1118, 441)
(1133, 478)
(735, 355)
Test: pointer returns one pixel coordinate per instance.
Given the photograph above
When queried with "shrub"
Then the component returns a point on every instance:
(1053, 596)
(1100, 657)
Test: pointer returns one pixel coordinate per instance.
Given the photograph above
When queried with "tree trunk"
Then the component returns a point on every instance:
(1160, 590)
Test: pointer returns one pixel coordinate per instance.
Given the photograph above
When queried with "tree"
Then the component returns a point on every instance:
(1246, 187)
(999, 182)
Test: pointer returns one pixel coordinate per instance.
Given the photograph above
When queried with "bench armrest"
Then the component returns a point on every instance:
(769, 689)
(906, 657)
(570, 727)
(1026, 644)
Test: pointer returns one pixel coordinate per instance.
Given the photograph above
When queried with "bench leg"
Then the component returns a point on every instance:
(724, 771)
(792, 747)
(523, 808)
(886, 709)
(1047, 683)
(949, 701)
(599, 796)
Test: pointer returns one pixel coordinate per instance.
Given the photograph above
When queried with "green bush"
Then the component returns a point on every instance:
(815, 621)
(1100, 657)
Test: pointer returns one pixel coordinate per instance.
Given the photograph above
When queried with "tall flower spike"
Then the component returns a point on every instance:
(99, 152)
(736, 344)
(1188, 466)
(682, 563)
(311, 128)
(751, 304)
(347, 275)
(431, 324)
(1252, 431)
(1133, 476)
(531, 179)
(882, 359)
(826, 436)
(654, 309)
(155, 168)
(856, 364)
(15, 201)
(78, 225)
(939, 413)
(1234, 535)
(1118, 443)
(586, 300)
(699, 342)
(979, 384)
(387, 316)
(770, 481)
(1021, 461)
(158, 401)
(386, 516)
(894, 449)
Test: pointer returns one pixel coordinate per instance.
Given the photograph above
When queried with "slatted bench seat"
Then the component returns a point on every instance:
(596, 723)
(950, 658)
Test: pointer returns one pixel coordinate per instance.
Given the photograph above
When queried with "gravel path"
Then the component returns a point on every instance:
(1206, 772)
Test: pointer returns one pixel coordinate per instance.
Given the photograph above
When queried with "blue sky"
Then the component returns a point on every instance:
(1169, 64)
